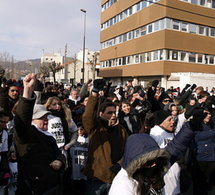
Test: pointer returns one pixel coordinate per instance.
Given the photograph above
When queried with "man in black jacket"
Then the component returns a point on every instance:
(40, 162)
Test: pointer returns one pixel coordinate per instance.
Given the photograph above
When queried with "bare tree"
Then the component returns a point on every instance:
(47, 67)
(93, 62)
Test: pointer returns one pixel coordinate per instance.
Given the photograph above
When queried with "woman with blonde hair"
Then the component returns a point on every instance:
(57, 124)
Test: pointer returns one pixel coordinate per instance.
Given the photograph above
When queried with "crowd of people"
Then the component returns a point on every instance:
(98, 139)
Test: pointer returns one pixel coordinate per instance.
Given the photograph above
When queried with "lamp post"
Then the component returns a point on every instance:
(83, 68)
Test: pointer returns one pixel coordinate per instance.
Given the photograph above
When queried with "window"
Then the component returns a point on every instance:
(149, 28)
(194, 1)
(149, 59)
(137, 33)
(168, 23)
(137, 59)
(162, 24)
(174, 55)
(201, 30)
(128, 60)
(162, 54)
(183, 56)
(200, 58)
(130, 35)
(193, 28)
(211, 59)
(120, 38)
(114, 62)
(138, 6)
(142, 57)
(156, 26)
(143, 30)
(155, 56)
(125, 13)
(124, 61)
(120, 16)
(168, 54)
(192, 57)
(129, 11)
(212, 32)
(207, 31)
(124, 37)
(184, 26)
(213, 4)
(111, 21)
(120, 61)
(175, 24)
(202, 2)
(143, 3)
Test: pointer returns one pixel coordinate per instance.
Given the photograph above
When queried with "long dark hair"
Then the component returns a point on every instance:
(153, 181)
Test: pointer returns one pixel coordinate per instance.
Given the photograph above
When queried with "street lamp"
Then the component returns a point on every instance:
(83, 68)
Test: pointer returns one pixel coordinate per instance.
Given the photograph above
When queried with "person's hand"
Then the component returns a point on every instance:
(190, 111)
(98, 85)
(187, 86)
(197, 120)
(66, 147)
(28, 83)
(137, 96)
(193, 87)
(56, 164)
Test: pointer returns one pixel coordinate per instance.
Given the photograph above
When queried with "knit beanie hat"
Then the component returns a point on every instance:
(160, 116)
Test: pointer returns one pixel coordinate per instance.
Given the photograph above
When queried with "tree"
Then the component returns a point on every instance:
(93, 61)
(47, 67)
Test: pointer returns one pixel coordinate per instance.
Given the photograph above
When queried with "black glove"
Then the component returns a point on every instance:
(115, 168)
(187, 86)
(193, 86)
(196, 121)
(98, 85)
(155, 83)
(191, 110)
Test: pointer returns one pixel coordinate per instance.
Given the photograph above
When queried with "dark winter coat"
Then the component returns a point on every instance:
(35, 152)
(205, 143)
(133, 119)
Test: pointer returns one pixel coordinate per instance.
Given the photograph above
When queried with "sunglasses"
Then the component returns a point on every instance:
(14, 90)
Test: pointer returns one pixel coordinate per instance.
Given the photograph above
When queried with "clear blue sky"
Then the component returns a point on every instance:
(27, 27)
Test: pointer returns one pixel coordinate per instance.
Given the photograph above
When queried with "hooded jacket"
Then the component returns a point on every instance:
(139, 149)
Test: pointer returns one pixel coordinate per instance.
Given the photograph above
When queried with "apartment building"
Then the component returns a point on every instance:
(154, 39)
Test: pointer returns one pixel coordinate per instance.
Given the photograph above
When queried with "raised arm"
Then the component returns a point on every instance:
(25, 106)
(89, 115)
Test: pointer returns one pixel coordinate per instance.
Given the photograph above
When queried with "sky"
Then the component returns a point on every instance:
(30, 27)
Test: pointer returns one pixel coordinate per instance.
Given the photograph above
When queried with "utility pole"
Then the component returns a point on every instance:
(94, 64)
(83, 66)
(65, 66)
(75, 63)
